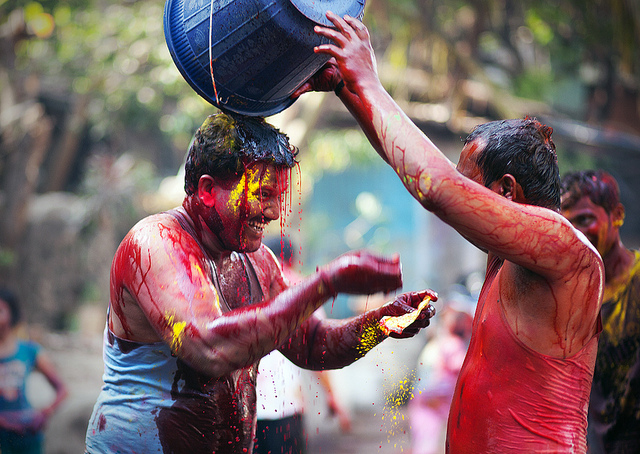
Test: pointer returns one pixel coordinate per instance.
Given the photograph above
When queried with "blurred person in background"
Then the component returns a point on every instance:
(525, 382)
(197, 299)
(280, 397)
(438, 367)
(21, 425)
(591, 201)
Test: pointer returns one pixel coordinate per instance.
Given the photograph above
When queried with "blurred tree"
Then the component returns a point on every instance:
(479, 50)
(79, 78)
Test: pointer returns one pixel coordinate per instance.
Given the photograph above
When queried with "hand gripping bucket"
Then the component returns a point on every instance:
(259, 51)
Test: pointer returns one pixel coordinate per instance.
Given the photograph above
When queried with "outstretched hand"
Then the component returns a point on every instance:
(353, 60)
(362, 272)
(407, 303)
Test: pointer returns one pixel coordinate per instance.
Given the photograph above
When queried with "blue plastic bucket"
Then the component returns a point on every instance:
(261, 50)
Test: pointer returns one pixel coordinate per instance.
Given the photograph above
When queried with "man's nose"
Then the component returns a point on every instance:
(271, 208)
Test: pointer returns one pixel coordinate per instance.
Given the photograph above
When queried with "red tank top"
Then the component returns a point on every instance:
(511, 399)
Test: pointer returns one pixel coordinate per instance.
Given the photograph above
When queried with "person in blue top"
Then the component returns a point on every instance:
(21, 425)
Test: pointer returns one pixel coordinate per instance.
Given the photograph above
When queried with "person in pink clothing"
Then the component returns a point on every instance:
(525, 382)
(438, 368)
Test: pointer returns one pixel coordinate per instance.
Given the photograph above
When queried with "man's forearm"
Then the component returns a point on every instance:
(338, 343)
(397, 139)
(253, 331)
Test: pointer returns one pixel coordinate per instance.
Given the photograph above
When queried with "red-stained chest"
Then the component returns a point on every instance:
(239, 281)
(519, 392)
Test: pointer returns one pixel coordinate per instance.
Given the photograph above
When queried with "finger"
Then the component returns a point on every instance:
(386, 266)
(344, 25)
(414, 299)
(305, 87)
(339, 41)
(406, 334)
(328, 49)
(404, 306)
(357, 26)
(422, 294)
(338, 22)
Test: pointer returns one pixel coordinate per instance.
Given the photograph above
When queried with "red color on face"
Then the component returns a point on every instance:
(467, 164)
(594, 222)
(245, 206)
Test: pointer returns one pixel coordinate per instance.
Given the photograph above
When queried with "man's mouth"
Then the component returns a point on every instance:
(257, 225)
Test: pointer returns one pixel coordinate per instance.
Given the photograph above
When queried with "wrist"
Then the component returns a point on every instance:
(370, 334)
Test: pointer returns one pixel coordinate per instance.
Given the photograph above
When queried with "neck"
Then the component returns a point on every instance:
(617, 262)
(193, 208)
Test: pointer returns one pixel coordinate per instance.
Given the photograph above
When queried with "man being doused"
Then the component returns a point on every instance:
(197, 300)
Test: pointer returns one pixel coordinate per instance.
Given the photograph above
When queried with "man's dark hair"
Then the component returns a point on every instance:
(524, 149)
(11, 299)
(225, 144)
(598, 185)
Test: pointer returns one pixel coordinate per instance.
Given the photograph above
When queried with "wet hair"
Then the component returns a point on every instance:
(524, 149)
(598, 185)
(11, 299)
(226, 143)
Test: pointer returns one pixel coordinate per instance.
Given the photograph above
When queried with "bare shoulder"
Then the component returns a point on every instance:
(556, 313)
(584, 275)
(156, 228)
(156, 254)
(560, 252)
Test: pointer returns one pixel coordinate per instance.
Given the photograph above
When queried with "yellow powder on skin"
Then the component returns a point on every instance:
(177, 330)
(248, 188)
(369, 338)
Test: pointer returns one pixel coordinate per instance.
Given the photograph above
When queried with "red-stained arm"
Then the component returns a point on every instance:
(323, 343)
(535, 238)
(161, 288)
(556, 291)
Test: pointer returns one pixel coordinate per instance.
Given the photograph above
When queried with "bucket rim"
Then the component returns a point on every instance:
(354, 8)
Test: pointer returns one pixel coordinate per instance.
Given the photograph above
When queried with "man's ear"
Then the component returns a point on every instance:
(206, 190)
(617, 215)
(508, 187)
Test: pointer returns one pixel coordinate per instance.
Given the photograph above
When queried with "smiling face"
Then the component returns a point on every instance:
(594, 221)
(243, 207)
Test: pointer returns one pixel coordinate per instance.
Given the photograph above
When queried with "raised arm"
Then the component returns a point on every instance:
(162, 271)
(535, 238)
